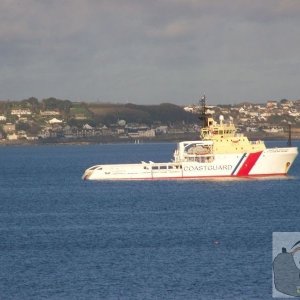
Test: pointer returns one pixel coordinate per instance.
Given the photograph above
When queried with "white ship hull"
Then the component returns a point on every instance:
(269, 162)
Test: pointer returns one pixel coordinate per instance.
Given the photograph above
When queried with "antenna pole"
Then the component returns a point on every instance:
(203, 116)
(289, 142)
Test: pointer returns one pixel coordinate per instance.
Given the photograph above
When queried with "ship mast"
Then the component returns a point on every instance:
(203, 115)
(289, 142)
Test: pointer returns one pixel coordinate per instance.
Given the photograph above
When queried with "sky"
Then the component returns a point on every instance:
(150, 51)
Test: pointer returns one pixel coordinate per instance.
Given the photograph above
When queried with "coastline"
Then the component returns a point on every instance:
(167, 138)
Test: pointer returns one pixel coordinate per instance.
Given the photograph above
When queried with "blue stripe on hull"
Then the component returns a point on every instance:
(238, 164)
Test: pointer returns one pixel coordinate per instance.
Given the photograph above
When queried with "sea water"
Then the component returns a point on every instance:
(65, 238)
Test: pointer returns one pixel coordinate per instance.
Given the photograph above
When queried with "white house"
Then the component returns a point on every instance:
(273, 129)
(254, 113)
(87, 127)
(147, 133)
(55, 121)
(272, 104)
(20, 112)
(188, 109)
(9, 128)
(12, 137)
(210, 111)
(49, 113)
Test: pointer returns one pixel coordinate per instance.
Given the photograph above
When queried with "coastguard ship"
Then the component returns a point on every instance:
(220, 152)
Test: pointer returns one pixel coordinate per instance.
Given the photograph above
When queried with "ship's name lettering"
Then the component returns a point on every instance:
(208, 168)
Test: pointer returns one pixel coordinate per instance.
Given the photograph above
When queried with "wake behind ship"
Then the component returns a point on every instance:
(220, 152)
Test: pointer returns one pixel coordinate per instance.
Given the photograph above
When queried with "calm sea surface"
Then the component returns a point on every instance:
(64, 238)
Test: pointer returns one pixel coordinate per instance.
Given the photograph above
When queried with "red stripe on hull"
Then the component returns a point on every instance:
(248, 164)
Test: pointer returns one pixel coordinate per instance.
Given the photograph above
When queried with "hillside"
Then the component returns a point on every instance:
(102, 113)
(148, 114)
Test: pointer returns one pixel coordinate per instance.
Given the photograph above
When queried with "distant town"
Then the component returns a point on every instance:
(53, 120)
